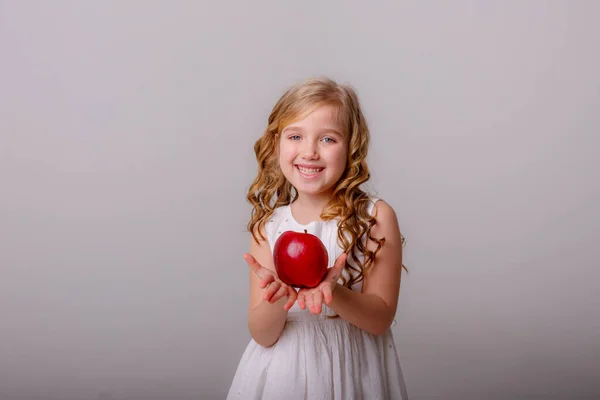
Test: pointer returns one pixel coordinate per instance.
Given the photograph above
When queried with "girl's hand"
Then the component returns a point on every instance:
(324, 291)
(274, 288)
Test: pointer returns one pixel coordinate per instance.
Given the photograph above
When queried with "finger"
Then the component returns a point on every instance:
(340, 263)
(334, 272)
(292, 296)
(311, 303)
(317, 302)
(301, 299)
(262, 273)
(271, 290)
(280, 293)
(327, 294)
(266, 280)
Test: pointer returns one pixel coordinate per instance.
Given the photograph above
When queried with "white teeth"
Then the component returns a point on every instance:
(310, 171)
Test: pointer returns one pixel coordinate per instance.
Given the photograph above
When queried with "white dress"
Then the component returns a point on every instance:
(318, 358)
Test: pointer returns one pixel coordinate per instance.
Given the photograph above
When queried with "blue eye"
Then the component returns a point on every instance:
(295, 137)
(329, 140)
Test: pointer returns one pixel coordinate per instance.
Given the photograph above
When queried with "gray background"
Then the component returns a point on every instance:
(126, 151)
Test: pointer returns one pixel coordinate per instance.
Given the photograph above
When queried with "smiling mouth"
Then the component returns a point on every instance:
(309, 171)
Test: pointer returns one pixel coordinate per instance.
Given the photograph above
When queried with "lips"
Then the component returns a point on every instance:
(309, 171)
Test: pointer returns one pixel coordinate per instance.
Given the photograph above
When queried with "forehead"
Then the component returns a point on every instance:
(325, 116)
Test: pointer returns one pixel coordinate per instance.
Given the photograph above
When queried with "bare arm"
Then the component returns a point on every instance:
(268, 306)
(374, 309)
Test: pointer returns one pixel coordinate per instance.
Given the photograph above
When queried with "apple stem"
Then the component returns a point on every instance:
(305, 231)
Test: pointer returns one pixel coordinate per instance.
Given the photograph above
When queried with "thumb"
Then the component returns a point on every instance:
(252, 263)
(339, 265)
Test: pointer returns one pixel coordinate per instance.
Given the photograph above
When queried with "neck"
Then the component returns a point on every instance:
(314, 203)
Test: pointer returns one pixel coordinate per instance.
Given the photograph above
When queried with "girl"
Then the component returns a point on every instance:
(332, 341)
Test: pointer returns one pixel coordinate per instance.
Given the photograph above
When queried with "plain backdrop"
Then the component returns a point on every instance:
(126, 134)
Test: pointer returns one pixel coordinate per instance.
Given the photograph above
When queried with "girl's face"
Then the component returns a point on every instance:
(313, 152)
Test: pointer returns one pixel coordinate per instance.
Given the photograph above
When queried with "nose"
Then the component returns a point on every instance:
(310, 150)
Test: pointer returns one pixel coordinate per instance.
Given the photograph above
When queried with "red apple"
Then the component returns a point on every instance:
(300, 259)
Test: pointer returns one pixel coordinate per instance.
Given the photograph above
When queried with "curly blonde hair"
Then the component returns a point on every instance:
(270, 189)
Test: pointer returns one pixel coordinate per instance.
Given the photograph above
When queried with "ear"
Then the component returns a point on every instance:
(276, 144)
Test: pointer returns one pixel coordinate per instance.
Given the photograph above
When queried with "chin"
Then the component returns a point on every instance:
(312, 191)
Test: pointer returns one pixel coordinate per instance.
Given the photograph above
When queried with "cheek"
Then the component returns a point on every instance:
(338, 157)
(287, 151)
(286, 154)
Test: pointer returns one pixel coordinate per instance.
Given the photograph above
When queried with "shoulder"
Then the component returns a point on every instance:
(272, 224)
(263, 225)
(278, 212)
(276, 217)
(272, 220)
(386, 219)
(382, 210)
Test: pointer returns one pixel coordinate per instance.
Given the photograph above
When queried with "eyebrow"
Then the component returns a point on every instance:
(326, 130)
